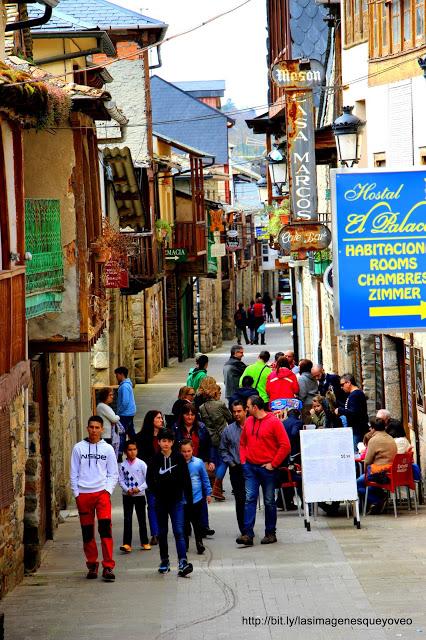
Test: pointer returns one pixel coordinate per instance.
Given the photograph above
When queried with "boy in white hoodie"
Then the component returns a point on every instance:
(94, 474)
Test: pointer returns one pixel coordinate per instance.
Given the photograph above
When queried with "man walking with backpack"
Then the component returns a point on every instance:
(259, 371)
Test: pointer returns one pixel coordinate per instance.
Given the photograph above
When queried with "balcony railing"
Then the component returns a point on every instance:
(191, 236)
(145, 258)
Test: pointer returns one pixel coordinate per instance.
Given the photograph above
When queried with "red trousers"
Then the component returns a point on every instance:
(88, 504)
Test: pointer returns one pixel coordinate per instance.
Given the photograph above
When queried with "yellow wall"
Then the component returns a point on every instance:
(46, 48)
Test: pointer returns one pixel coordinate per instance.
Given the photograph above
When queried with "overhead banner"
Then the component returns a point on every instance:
(379, 250)
(301, 154)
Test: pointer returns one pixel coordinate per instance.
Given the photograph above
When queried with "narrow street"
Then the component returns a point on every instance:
(333, 572)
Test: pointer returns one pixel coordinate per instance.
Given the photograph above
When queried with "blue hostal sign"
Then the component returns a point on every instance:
(379, 250)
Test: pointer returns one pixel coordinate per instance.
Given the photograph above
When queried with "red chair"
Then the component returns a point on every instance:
(399, 475)
(288, 484)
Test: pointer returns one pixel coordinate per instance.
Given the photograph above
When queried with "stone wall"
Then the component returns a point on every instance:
(62, 416)
(210, 313)
(12, 517)
(228, 310)
(115, 347)
(172, 316)
(391, 377)
(128, 91)
(154, 328)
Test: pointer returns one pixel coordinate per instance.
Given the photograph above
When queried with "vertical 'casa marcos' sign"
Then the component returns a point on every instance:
(379, 250)
(301, 154)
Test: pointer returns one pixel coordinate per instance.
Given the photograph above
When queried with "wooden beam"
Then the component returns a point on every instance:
(4, 210)
(18, 161)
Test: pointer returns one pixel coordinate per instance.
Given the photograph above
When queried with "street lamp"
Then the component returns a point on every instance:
(262, 186)
(347, 131)
(278, 169)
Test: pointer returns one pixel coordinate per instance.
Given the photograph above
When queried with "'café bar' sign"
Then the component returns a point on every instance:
(303, 238)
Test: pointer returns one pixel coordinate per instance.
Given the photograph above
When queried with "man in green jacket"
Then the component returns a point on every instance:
(259, 371)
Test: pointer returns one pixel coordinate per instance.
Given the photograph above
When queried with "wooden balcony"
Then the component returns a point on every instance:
(12, 319)
(191, 236)
(145, 260)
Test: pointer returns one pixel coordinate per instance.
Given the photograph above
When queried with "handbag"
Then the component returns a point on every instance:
(262, 328)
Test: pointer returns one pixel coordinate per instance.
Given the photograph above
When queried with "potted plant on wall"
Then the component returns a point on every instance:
(278, 217)
(112, 245)
(163, 230)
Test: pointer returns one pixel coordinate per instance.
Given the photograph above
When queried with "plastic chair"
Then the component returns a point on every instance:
(288, 484)
(400, 475)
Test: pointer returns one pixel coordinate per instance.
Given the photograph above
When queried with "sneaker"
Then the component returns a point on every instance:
(108, 575)
(164, 567)
(153, 541)
(146, 547)
(184, 568)
(207, 532)
(245, 540)
(126, 548)
(92, 574)
(269, 538)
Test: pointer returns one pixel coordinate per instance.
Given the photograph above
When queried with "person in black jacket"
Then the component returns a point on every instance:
(169, 480)
(147, 444)
(355, 409)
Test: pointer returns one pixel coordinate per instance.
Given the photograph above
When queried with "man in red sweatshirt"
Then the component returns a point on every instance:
(264, 445)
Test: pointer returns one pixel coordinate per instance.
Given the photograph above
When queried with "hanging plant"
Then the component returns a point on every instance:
(112, 245)
(278, 217)
(163, 230)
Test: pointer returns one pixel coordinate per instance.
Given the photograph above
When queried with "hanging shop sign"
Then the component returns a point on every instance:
(327, 279)
(115, 276)
(233, 241)
(293, 74)
(218, 250)
(379, 250)
(301, 238)
(301, 154)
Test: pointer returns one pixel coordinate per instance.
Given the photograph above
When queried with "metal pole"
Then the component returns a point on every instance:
(198, 314)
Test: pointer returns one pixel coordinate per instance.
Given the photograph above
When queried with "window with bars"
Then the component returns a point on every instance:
(45, 271)
(6, 477)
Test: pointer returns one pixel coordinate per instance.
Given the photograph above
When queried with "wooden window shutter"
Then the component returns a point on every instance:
(6, 479)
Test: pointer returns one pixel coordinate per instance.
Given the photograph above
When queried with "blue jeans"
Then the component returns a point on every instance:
(176, 512)
(256, 476)
(220, 465)
(375, 495)
(152, 514)
(127, 422)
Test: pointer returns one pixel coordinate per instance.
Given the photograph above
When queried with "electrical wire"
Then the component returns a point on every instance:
(139, 50)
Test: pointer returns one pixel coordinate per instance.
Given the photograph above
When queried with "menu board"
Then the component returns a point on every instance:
(328, 465)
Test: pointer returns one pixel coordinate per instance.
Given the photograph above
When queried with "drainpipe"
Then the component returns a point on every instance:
(121, 120)
(27, 24)
(160, 62)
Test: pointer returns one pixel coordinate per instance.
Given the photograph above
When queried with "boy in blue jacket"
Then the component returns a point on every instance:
(201, 490)
(126, 406)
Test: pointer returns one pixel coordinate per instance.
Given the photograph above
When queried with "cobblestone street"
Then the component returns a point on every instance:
(334, 571)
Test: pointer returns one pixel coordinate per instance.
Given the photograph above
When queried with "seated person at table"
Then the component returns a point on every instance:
(318, 414)
(381, 451)
(395, 429)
